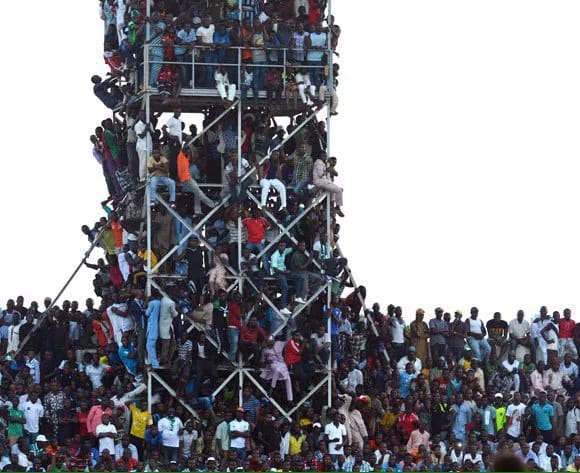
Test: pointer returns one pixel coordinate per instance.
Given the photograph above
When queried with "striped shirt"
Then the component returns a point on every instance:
(184, 350)
(302, 169)
(251, 408)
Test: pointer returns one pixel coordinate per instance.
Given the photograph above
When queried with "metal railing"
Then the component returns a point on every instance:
(191, 69)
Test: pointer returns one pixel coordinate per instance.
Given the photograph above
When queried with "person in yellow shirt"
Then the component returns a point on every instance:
(297, 438)
(140, 420)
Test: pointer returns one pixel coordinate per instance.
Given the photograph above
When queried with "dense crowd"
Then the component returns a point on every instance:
(444, 395)
(268, 48)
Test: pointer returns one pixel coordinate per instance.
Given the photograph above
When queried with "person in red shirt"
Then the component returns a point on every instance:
(126, 462)
(293, 358)
(566, 335)
(256, 226)
(407, 422)
(234, 324)
(252, 338)
(81, 420)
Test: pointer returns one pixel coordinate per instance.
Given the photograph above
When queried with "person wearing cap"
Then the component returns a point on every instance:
(439, 331)
(500, 411)
(211, 464)
(275, 367)
(239, 434)
(419, 336)
(410, 357)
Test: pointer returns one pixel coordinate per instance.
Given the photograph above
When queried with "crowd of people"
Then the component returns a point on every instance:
(270, 48)
(250, 275)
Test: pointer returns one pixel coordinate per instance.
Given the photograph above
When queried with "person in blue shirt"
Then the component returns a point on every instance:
(462, 411)
(153, 440)
(186, 39)
(128, 355)
(543, 413)
(222, 41)
(405, 379)
(152, 314)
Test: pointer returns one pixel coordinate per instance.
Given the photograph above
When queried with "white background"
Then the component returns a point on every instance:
(457, 142)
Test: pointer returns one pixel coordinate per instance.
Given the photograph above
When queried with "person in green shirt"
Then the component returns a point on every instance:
(500, 412)
(16, 421)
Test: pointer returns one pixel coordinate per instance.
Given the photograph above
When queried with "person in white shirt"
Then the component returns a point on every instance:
(512, 365)
(239, 432)
(519, 332)
(572, 417)
(106, 432)
(514, 413)
(398, 334)
(546, 459)
(205, 38)
(170, 428)
(411, 357)
(476, 334)
(174, 125)
(474, 456)
(95, 372)
(33, 411)
(270, 176)
(457, 454)
(306, 90)
(222, 433)
(124, 444)
(354, 377)
(174, 128)
(568, 367)
(121, 320)
(335, 435)
(34, 366)
(144, 144)
(226, 90)
(188, 439)
(14, 334)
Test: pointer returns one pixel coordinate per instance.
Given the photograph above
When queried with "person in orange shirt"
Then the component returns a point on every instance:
(188, 184)
(117, 230)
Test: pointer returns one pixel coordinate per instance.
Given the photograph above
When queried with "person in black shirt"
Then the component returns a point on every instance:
(439, 415)
(498, 335)
(197, 262)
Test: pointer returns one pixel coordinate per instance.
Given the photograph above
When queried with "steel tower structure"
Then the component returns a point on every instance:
(201, 100)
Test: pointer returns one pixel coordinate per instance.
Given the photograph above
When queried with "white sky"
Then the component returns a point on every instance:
(457, 142)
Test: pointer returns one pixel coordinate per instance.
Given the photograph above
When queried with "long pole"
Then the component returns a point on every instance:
(57, 297)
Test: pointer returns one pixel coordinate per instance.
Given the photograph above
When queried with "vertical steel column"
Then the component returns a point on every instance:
(146, 189)
(239, 170)
(328, 205)
(241, 386)
(149, 391)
